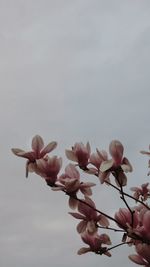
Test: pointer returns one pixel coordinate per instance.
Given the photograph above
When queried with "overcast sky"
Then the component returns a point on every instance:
(71, 70)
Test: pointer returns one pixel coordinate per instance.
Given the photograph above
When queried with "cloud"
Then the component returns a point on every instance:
(70, 71)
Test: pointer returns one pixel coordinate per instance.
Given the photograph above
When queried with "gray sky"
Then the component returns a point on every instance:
(70, 71)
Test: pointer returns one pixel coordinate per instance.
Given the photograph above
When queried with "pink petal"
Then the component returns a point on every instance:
(83, 250)
(106, 165)
(126, 165)
(116, 151)
(77, 215)
(134, 189)
(72, 171)
(37, 143)
(17, 151)
(88, 147)
(81, 227)
(146, 221)
(57, 188)
(145, 152)
(104, 177)
(86, 188)
(103, 221)
(105, 239)
(86, 191)
(70, 155)
(91, 227)
(51, 146)
(102, 154)
(73, 203)
(85, 209)
(137, 259)
(20, 153)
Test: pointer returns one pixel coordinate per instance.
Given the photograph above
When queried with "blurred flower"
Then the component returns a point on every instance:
(48, 168)
(80, 153)
(143, 228)
(38, 152)
(97, 158)
(89, 217)
(117, 165)
(143, 255)
(126, 220)
(95, 243)
(142, 192)
(70, 182)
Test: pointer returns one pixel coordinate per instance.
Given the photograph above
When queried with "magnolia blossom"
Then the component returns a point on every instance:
(117, 165)
(143, 255)
(96, 160)
(95, 243)
(38, 152)
(80, 154)
(70, 183)
(126, 220)
(142, 192)
(143, 228)
(89, 217)
(48, 168)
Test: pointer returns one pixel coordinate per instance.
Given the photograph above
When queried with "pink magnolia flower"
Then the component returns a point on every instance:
(89, 217)
(38, 151)
(117, 165)
(142, 192)
(80, 153)
(143, 229)
(143, 255)
(95, 243)
(126, 220)
(70, 181)
(48, 168)
(96, 159)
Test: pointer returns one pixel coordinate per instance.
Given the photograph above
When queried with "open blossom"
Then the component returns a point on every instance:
(126, 220)
(95, 244)
(80, 153)
(143, 255)
(117, 165)
(143, 229)
(70, 182)
(89, 217)
(142, 192)
(38, 151)
(96, 160)
(48, 168)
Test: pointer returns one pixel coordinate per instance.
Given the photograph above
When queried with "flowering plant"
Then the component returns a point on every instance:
(132, 222)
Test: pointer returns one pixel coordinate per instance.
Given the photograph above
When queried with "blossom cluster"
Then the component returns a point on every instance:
(110, 169)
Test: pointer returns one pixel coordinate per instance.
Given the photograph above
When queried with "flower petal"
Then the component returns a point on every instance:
(88, 147)
(106, 165)
(37, 143)
(51, 146)
(73, 203)
(17, 151)
(83, 250)
(81, 227)
(77, 215)
(126, 165)
(70, 155)
(136, 259)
